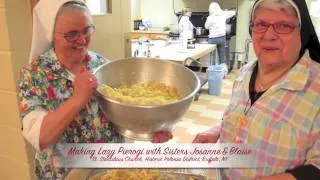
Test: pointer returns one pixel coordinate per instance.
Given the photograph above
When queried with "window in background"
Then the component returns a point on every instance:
(97, 7)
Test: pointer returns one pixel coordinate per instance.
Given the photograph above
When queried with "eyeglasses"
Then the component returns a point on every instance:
(280, 28)
(73, 36)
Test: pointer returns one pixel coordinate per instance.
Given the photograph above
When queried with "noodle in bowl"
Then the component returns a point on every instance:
(138, 122)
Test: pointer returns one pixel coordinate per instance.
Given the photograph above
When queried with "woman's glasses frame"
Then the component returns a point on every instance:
(73, 36)
(279, 28)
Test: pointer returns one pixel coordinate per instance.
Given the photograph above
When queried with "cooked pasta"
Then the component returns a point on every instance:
(143, 174)
(148, 93)
(132, 174)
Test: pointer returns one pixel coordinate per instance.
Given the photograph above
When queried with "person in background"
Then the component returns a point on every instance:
(56, 101)
(185, 25)
(216, 23)
(275, 103)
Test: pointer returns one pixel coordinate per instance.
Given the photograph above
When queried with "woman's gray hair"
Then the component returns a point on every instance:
(185, 10)
(71, 5)
(286, 6)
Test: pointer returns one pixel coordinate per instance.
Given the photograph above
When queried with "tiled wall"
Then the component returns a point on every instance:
(15, 33)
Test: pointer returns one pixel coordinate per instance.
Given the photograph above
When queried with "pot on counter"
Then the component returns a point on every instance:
(200, 31)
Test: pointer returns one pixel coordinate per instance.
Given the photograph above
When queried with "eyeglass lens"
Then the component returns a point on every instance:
(75, 35)
(280, 28)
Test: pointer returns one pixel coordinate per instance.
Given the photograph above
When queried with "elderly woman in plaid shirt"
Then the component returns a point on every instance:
(275, 105)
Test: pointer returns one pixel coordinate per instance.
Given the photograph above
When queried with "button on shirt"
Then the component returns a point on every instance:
(283, 125)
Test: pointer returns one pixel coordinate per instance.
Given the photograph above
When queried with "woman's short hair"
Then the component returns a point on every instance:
(71, 5)
(186, 10)
(278, 5)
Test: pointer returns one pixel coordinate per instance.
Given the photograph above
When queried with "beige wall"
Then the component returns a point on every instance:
(243, 20)
(15, 31)
(315, 20)
(109, 38)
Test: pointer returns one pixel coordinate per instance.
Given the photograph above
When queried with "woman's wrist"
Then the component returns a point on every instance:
(76, 102)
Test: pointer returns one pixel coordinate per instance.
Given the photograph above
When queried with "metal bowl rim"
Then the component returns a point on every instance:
(190, 95)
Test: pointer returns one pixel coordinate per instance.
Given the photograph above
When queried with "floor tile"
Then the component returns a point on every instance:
(203, 114)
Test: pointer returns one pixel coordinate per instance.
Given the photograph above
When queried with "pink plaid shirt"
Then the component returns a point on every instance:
(283, 125)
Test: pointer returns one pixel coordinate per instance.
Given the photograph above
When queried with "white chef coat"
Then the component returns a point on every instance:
(185, 28)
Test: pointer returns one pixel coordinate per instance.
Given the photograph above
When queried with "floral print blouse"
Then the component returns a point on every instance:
(46, 84)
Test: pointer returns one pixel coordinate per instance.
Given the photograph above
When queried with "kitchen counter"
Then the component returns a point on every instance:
(150, 32)
(153, 35)
(175, 52)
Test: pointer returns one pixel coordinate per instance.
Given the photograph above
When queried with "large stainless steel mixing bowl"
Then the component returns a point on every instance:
(139, 122)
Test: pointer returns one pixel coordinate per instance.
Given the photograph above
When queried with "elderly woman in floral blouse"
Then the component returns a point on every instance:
(275, 104)
(56, 89)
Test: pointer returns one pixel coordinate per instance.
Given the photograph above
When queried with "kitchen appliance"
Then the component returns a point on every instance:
(231, 24)
(191, 43)
(199, 31)
(139, 122)
(198, 20)
(136, 24)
